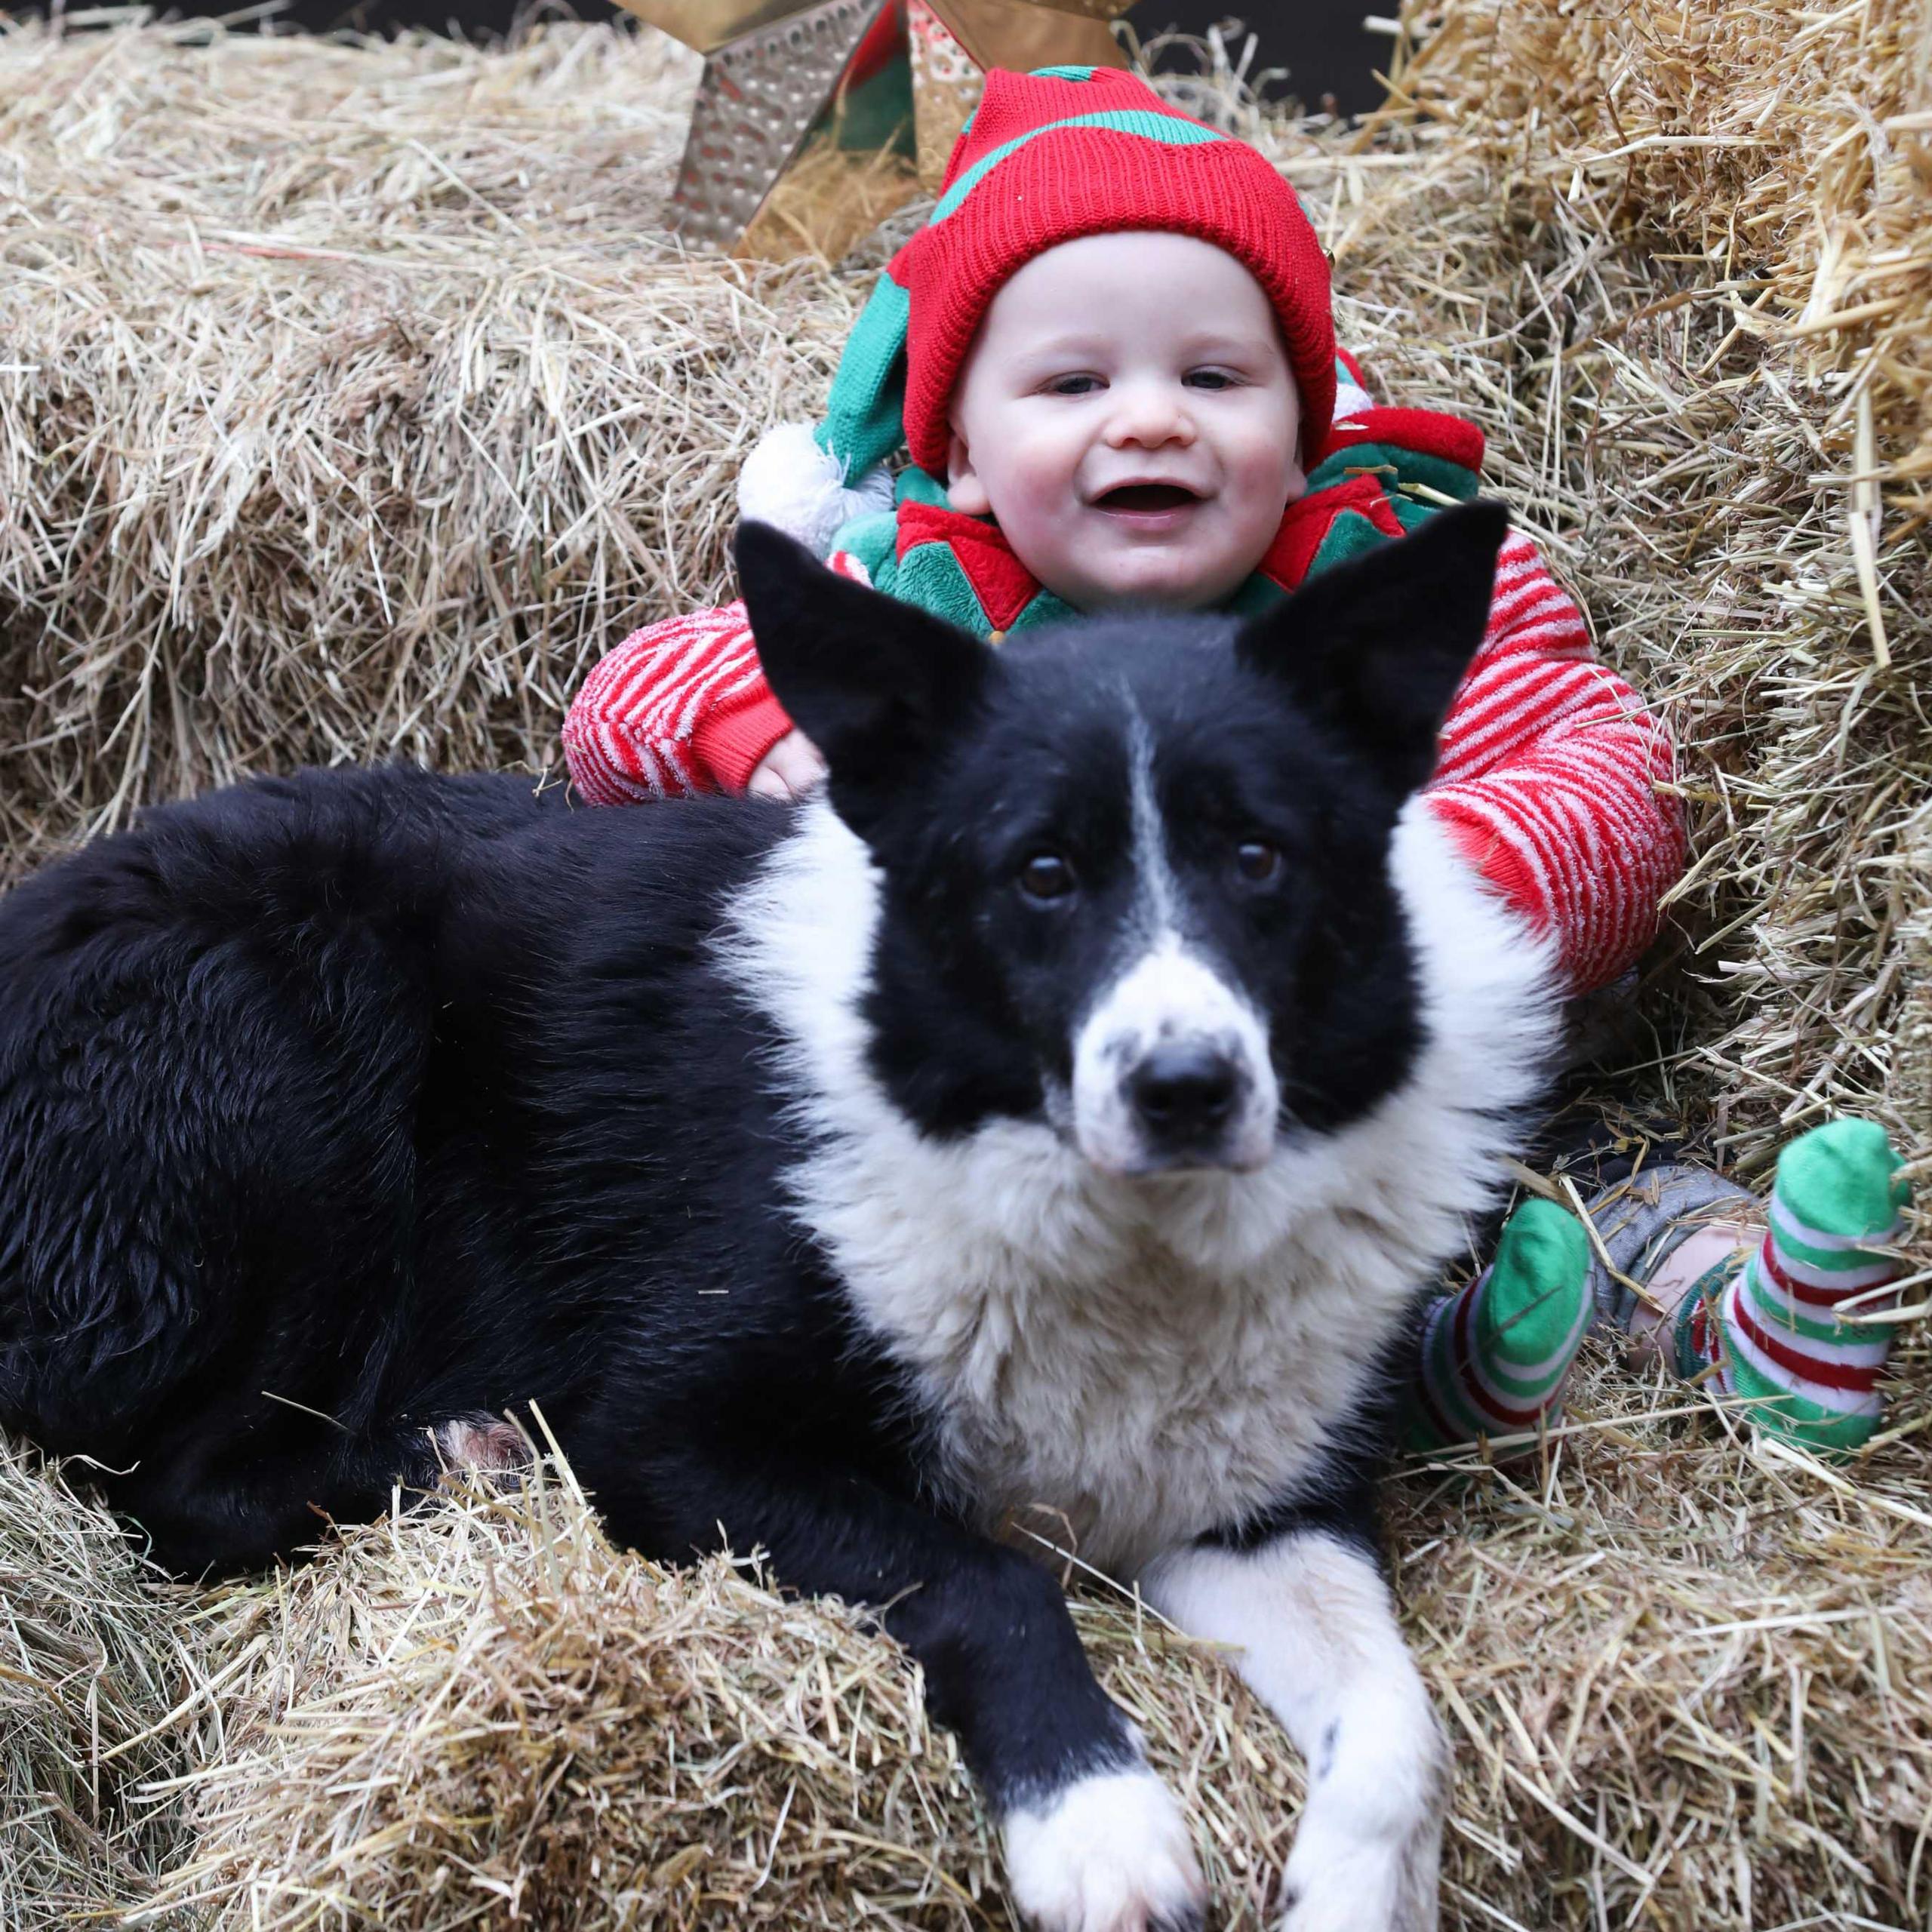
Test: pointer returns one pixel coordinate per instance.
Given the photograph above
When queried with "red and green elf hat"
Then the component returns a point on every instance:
(1047, 157)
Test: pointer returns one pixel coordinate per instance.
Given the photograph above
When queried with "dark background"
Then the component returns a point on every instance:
(1320, 42)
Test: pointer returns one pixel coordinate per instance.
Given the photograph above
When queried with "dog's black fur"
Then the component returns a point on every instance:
(337, 1106)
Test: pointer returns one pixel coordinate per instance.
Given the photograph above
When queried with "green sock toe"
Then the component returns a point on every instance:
(1493, 1357)
(1842, 1179)
(1808, 1375)
(1535, 1308)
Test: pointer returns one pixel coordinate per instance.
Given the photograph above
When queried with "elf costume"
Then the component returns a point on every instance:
(1553, 777)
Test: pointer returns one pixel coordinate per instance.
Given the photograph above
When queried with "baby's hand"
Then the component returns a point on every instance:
(789, 769)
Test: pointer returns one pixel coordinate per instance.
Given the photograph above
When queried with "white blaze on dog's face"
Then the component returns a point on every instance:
(1171, 1066)
(1132, 879)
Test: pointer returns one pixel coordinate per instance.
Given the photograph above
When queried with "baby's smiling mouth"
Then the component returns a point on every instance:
(1142, 497)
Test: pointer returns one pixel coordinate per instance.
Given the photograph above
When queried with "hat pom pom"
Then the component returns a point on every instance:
(788, 480)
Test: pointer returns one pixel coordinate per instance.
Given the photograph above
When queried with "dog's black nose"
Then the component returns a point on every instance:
(1183, 1092)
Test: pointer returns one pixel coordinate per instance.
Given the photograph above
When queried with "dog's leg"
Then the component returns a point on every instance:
(1315, 1633)
(214, 1503)
(1094, 1842)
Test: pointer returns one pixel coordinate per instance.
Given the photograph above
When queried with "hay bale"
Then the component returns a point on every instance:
(1688, 1676)
(482, 1706)
(93, 1660)
(1689, 1680)
(1791, 151)
(480, 1709)
(1712, 224)
(354, 400)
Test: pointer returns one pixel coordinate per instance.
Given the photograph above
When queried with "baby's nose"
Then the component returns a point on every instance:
(1150, 414)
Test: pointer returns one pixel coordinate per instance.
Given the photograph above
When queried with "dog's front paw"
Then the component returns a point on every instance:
(1108, 1853)
(1339, 1883)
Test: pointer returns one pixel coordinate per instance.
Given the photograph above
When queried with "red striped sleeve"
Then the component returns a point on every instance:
(680, 706)
(1548, 777)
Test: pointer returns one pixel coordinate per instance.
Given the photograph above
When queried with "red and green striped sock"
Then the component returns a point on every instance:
(1771, 1327)
(1494, 1357)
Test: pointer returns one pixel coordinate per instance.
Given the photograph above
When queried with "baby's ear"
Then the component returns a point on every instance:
(964, 490)
(876, 684)
(1377, 646)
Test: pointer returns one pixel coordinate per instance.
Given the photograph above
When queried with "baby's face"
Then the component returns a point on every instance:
(1127, 415)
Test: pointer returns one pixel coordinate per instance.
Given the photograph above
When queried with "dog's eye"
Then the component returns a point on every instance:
(1046, 875)
(1257, 862)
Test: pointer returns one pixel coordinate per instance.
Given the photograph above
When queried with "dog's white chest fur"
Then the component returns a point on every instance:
(1126, 1378)
(1139, 1361)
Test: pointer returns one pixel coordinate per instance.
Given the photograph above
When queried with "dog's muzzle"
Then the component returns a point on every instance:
(1171, 1071)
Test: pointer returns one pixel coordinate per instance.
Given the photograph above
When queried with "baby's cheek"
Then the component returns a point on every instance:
(1043, 479)
(1038, 507)
(1267, 485)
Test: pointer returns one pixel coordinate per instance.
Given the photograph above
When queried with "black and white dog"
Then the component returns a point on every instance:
(1059, 1114)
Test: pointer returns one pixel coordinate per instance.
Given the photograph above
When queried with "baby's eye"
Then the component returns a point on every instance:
(1073, 384)
(1210, 379)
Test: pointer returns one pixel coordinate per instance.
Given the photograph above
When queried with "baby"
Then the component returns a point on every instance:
(1111, 354)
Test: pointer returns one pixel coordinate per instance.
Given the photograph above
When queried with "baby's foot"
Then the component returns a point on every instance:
(1776, 1327)
(1494, 1357)
(1701, 1263)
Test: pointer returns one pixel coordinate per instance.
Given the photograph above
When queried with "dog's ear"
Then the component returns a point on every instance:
(1377, 645)
(876, 684)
